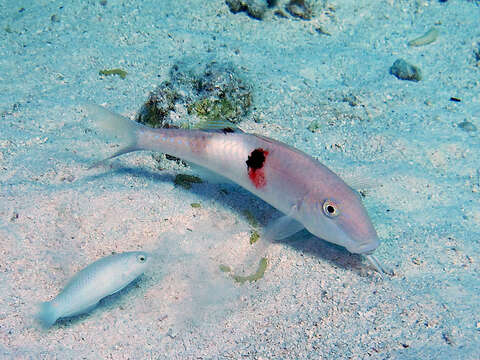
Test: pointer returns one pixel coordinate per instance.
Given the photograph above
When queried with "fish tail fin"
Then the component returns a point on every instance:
(115, 125)
(47, 314)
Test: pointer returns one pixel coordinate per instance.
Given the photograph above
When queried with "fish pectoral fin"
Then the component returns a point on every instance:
(282, 228)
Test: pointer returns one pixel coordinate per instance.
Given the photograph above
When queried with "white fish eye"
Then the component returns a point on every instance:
(330, 209)
(141, 258)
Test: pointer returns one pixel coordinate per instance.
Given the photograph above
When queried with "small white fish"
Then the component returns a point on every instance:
(98, 280)
(310, 195)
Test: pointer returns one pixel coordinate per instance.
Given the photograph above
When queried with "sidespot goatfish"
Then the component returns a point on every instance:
(98, 280)
(309, 194)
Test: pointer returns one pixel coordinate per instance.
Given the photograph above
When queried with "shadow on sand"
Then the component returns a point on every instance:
(242, 200)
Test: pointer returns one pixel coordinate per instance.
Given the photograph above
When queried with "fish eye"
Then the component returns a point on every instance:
(330, 209)
(141, 258)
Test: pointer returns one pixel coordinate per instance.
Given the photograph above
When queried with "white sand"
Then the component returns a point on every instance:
(315, 300)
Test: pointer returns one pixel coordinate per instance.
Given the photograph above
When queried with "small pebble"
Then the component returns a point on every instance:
(320, 30)
(476, 53)
(447, 337)
(14, 217)
(416, 261)
(467, 126)
(405, 71)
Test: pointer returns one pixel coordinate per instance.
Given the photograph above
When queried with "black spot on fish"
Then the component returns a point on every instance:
(256, 159)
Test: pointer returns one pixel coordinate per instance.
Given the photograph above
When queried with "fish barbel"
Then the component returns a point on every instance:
(310, 195)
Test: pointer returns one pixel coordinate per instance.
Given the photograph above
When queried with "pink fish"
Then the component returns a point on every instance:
(310, 195)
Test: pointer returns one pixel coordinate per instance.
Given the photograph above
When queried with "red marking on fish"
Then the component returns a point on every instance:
(257, 177)
(255, 163)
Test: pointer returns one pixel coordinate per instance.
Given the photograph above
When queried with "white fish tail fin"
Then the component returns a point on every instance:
(115, 125)
(47, 314)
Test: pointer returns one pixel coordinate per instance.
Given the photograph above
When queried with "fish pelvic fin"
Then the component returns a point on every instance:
(282, 228)
(121, 127)
(47, 314)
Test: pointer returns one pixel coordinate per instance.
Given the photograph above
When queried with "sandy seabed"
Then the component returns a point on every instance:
(315, 300)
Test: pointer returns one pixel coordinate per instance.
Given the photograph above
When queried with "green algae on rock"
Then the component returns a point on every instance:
(429, 37)
(254, 237)
(186, 181)
(224, 268)
(254, 234)
(250, 218)
(119, 72)
(262, 266)
(158, 106)
(215, 92)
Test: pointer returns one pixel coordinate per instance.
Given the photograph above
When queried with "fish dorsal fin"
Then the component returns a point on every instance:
(218, 125)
